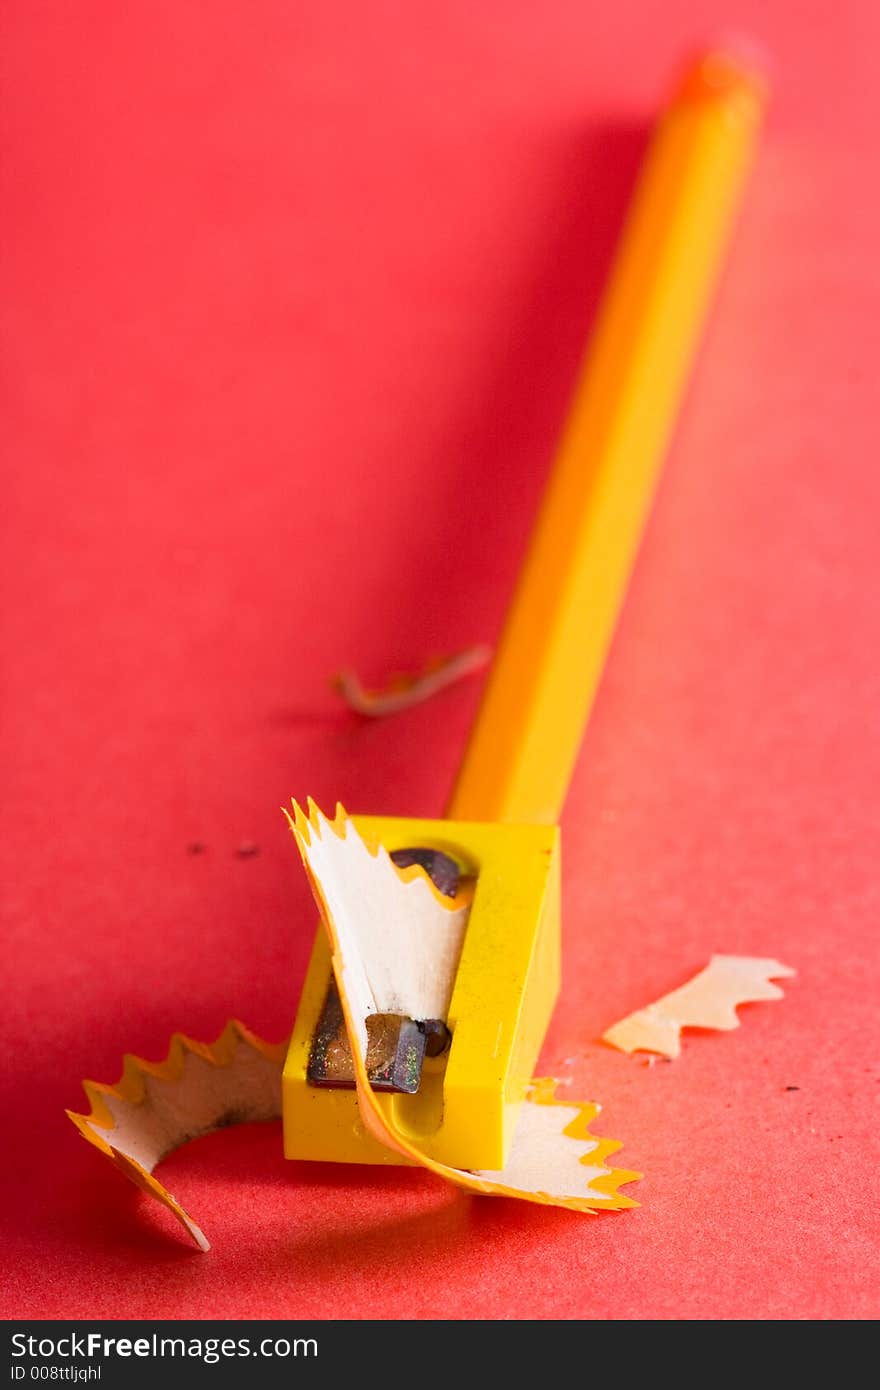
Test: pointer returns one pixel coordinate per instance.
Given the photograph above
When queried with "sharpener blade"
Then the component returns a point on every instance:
(395, 1050)
(396, 1045)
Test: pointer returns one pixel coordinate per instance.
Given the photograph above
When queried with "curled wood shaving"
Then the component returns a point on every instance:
(709, 1000)
(404, 690)
(156, 1107)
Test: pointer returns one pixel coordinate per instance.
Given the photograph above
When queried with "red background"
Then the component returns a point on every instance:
(293, 296)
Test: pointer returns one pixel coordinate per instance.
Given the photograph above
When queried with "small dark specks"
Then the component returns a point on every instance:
(247, 849)
(792, 1088)
(196, 847)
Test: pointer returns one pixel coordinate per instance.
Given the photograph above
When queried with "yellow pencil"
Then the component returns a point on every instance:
(551, 653)
(503, 813)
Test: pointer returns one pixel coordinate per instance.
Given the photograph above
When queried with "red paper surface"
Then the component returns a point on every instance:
(293, 297)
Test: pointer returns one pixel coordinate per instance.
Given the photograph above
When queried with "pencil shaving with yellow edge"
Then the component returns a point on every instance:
(156, 1107)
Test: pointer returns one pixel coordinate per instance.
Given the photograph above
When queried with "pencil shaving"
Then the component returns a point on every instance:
(709, 1000)
(554, 1159)
(156, 1107)
(405, 936)
(404, 690)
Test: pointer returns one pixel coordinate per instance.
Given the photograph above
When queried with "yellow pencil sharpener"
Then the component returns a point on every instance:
(464, 1111)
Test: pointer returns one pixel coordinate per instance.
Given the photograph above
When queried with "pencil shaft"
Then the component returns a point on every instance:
(523, 747)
